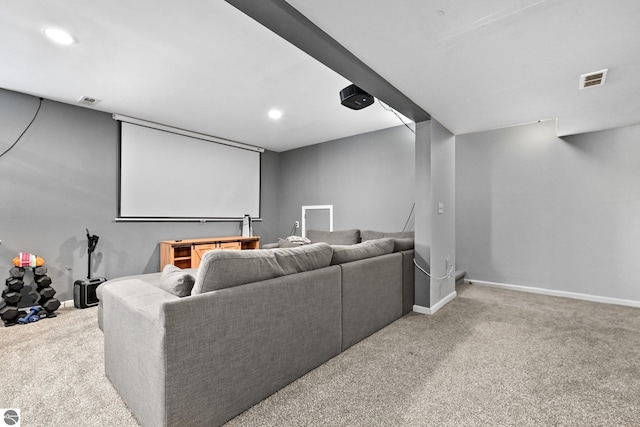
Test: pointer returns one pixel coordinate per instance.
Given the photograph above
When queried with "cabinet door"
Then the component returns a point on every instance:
(198, 251)
(236, 246)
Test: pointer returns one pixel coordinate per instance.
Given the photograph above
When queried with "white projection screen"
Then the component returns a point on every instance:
(166, 175)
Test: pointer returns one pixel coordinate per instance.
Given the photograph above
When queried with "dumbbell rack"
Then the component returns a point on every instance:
(10, 313)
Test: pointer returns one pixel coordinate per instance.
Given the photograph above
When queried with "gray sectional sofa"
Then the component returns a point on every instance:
(254, 322)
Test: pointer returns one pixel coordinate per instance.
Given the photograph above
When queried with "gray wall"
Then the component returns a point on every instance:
(531, 209)
(554, 213)
(367, 178)
(62, 178)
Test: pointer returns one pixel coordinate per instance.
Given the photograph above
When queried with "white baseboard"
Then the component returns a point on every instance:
(431, 310)
(564, 294)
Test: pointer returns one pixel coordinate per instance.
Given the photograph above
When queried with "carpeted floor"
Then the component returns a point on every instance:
(52, 370)
(491, 357)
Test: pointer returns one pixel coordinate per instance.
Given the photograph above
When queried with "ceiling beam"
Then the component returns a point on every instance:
(286, 21)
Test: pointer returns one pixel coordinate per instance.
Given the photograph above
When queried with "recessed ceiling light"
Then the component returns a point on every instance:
(59, 36)
(275, 114)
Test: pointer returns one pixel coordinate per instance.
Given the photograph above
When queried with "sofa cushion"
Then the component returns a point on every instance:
(176, 281)
(341, 237)
(368, 249)
(371, 235)
(225, 269)
(270, 245)
(303, 258)
(403, 240)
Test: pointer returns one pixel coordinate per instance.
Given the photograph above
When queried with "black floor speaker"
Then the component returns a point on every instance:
(84, 292)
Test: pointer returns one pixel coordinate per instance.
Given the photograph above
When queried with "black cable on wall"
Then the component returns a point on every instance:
(24, 131)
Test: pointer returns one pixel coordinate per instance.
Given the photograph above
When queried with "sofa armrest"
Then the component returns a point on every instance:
(150, 278)
(371, 296)
(408, 281)
(134, 345)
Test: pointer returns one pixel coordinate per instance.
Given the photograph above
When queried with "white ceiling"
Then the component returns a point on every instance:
(202, 65)
(199, 65)
(486, 64)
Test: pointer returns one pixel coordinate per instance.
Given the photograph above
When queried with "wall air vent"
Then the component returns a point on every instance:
(87, 100)
(596, 78)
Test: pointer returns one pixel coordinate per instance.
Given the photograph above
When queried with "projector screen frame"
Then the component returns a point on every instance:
(182, 132)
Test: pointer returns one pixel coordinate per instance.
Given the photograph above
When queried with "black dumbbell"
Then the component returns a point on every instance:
(16, 272)
(40, 271)
(9, 312)
(14, 284)
(51, 305)
(47, 293)
(11, 297)
(42, 281)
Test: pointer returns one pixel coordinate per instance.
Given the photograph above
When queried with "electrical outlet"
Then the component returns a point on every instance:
(297, 224)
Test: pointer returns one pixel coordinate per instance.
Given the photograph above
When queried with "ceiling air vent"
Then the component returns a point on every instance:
(596, 78)
(87, 100)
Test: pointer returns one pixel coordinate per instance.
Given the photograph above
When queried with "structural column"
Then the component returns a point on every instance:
(435, 216)
(422, 214)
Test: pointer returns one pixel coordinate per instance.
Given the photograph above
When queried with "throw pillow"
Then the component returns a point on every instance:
(175, 281)
(292, 242)
(284, 243)
(299, 240)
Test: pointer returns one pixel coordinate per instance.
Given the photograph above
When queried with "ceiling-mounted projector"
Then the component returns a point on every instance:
(355, 98)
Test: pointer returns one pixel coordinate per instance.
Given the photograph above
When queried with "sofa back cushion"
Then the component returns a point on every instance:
(403, 240)
(368, 249)
(303, 258)
(224, 269)
(341, 237)
(371, 235)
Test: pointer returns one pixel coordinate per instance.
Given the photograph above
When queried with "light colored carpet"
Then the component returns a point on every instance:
(53, 371)
(491, 357)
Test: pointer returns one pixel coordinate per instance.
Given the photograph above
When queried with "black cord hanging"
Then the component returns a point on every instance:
(24, 131)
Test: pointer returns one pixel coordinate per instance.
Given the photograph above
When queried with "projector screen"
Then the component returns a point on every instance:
(166, 175)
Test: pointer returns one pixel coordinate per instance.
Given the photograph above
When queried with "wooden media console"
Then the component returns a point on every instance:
(188, 253)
